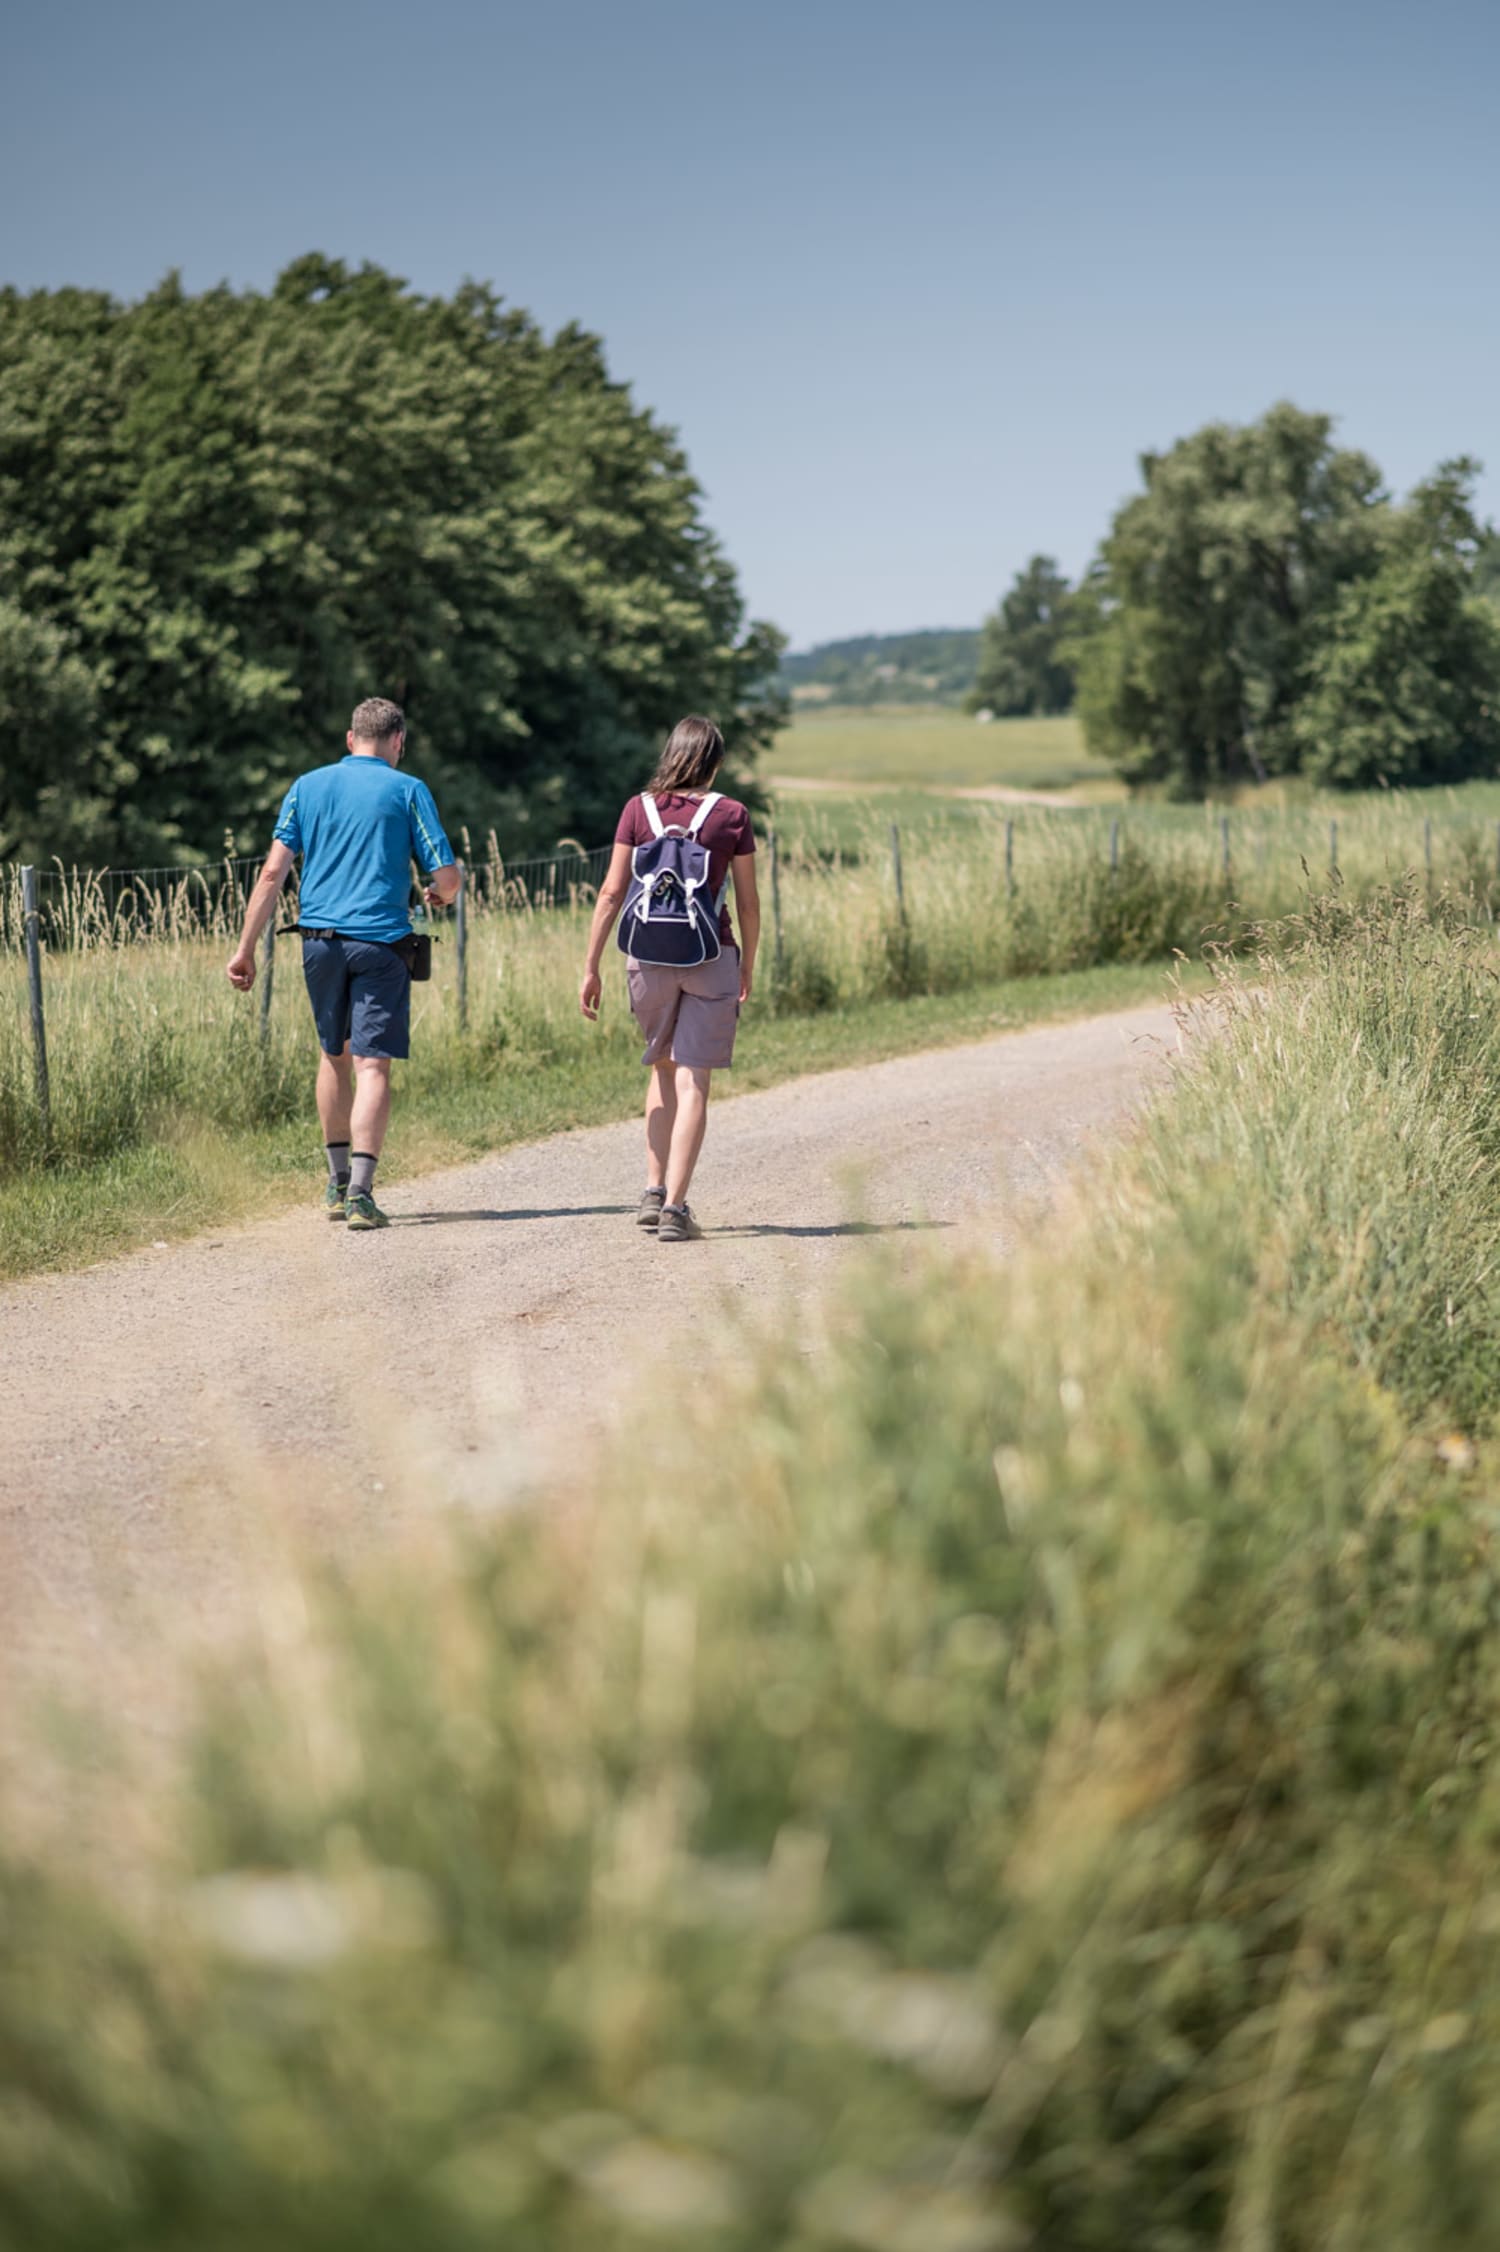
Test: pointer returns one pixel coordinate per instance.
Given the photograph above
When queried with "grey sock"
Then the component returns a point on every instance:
(338, 1163)
(362, 1173)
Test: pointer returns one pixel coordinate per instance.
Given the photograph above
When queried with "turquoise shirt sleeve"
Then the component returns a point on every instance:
(288, 829)
(430, 847)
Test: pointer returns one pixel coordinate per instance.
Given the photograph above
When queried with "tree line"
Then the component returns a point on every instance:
(227, 516)
(935, 666)
(1265, 606)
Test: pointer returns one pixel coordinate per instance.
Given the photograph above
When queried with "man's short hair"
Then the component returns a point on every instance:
(376, 719)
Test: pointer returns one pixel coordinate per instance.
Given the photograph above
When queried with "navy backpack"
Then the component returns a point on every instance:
(670, 916)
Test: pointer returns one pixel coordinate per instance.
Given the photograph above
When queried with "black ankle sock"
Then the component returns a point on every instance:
(338, 1163)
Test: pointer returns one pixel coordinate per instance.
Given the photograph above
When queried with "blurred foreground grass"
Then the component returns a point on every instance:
(1022, 1775)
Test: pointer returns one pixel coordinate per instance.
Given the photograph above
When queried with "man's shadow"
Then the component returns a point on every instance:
(522, 1212)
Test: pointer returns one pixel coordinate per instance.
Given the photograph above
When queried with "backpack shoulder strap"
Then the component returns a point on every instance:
(649, 802)
(703, 812)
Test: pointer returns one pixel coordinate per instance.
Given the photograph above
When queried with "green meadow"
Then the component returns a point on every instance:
(932, 748)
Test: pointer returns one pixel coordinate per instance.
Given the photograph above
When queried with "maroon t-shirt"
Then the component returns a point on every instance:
(726, 833)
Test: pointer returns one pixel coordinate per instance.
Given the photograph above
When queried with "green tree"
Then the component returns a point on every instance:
(48, 714)
(1213, 589)
(1405, 685)
(235, 514)
(1025, 661)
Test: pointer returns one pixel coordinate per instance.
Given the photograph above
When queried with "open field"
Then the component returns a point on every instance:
(932, 748)
(1017, 1774)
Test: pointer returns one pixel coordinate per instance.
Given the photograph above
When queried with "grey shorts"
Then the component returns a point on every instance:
(688, 1016)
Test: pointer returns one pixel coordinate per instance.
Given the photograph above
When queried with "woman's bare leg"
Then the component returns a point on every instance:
(661, 1116)
(691, 1098)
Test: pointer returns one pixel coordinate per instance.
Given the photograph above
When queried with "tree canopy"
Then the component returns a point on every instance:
(226, 517)
(1263, 606)
(1025, 661)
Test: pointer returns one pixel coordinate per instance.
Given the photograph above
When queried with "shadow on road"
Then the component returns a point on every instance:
(524, 1212)
(844, 1227)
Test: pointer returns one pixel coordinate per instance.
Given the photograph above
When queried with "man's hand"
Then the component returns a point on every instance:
(241, 970)
(590, 994)
(433, 898)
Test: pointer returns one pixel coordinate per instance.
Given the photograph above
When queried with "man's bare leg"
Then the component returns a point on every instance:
(372, 1104)
(661, 1116)
(688, 1128)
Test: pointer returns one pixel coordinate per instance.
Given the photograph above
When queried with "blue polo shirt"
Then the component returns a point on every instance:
(358, 826)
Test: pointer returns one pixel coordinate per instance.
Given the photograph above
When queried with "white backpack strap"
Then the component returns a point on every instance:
(703, 812)
(649, 802)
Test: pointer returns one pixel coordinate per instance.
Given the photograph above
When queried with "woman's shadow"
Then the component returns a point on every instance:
(616, 1211)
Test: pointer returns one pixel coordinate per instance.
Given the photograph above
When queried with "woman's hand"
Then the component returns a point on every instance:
(747, 979)
(590, 993)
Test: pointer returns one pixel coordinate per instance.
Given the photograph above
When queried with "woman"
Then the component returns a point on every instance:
(688, 1017)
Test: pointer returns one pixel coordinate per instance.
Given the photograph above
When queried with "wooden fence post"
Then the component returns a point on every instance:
(1114, 848)
(268, 979)
(778, 949)
(896, 867)
(1224, 851)
(31, 915)
(461, 945)
(1427, 852)
(1010, 859)
(1333, 847)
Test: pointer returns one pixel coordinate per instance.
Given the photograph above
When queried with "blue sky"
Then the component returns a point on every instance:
(916, 283)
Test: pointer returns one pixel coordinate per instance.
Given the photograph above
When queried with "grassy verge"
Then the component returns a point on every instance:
(1021, 1776)
(194, 1179)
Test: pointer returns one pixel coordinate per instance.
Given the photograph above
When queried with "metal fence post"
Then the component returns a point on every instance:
(268, 982)
(1010, 859)
(896, 867)
(31, 916)
(461, 945)
(1224, 850)
(1333, 847)
(778, 949)
(1427, 850)
(1114, 848)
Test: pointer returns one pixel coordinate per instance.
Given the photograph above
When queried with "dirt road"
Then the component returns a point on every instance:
(160, 1410)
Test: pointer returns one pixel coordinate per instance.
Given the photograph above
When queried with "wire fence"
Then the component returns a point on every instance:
(82, 907)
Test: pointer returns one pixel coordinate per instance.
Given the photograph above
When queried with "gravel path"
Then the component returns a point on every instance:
(172, 1417)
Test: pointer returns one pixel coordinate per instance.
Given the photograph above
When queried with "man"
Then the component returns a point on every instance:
(358, 825)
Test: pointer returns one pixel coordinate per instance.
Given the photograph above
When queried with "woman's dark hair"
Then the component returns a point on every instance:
(690, 756)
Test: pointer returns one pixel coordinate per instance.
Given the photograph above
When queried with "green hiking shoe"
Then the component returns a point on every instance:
(363, 1212)
(333, 1200)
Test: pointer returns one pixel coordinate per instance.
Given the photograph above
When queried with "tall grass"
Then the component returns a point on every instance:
(1020, 1776)
(148, 1043)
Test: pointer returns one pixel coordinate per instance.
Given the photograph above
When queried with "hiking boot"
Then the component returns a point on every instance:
(648, 1212)
(363, 1212)
(333, 1200)
(677, 1225)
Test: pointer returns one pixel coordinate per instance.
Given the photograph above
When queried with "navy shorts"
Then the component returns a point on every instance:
(361, 996)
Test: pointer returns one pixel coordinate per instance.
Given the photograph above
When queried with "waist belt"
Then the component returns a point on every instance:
(415, 949)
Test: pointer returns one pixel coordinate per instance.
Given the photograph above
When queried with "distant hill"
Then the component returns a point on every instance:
(886, 668)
